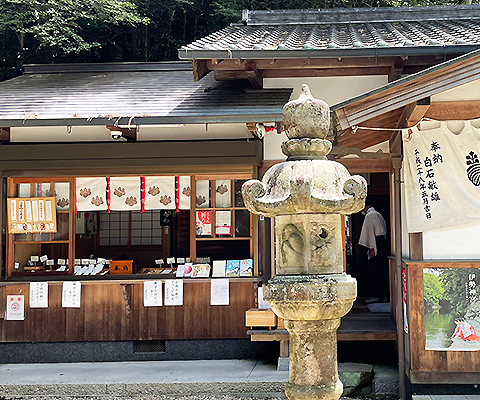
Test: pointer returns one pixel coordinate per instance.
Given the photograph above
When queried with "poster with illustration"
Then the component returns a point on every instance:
(452, 308)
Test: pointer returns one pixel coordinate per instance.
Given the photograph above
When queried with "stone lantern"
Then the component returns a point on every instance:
(307, 194)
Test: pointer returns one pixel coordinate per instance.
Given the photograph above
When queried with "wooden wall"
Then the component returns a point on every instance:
(427, 366)
(115, 311)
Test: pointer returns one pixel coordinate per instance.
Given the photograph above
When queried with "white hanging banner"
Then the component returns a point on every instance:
(185, 191)
(125, 194)
(442, 177)
(159, 193)
(91, 194)
(38, 295)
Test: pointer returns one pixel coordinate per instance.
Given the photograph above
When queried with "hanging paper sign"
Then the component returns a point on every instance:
(457, 326)
(21, 210)
(35, 210)
(219, 292)
(41, 210)
(15, 307)
(173, 292)
(204, 223)
(223, 223)
(38, 294)
(125, 194)
(28, 210)
(152, 293)
(184, 192)
(159, 193)
(442, 177)
(32, 216)
(91, 194)
(71, 294)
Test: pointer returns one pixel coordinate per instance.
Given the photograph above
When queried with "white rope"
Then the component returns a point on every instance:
(355, 128)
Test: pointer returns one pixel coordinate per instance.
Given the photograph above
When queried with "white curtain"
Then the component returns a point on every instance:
(159, 193)
(442, 176)
(91, 194)
(184, 192)
(125, 194)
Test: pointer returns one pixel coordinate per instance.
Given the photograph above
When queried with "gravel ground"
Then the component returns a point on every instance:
(198, 397)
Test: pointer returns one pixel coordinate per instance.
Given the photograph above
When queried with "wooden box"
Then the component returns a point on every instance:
(280, 323)
(264, 318)
(121, 267)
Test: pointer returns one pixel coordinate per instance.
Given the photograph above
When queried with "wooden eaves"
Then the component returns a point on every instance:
(406, 101)
(257, 69)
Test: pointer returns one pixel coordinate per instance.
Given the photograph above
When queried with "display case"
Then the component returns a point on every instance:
(45, 247)
(219, 218)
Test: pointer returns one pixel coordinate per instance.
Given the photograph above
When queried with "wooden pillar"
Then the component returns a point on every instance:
(415, 245)
(2, 192)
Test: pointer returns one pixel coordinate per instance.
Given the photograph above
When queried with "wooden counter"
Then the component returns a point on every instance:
(113, 310)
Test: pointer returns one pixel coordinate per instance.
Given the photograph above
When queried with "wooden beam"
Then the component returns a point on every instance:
(363, 165)
(200, 69)
(4, 135)
(411, 115)
(325, 72)
(253, 75)
(454, 110)
(318, 63)
(396, 70)
(118, 157)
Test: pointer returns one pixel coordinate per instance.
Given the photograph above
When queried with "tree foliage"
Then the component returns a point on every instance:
(433, 290)
(46, 31)
(49, 30)
(455, 282)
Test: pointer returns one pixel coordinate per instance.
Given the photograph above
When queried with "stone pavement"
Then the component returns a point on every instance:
(177, 378)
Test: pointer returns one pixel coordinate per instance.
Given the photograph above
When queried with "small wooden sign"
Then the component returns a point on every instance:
(32, 215)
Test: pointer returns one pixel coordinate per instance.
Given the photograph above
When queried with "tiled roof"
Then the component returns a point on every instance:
(324, 33)
(151, 93)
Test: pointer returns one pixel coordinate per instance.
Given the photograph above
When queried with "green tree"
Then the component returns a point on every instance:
(433, 290)
(455, 281)
(49, 30)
